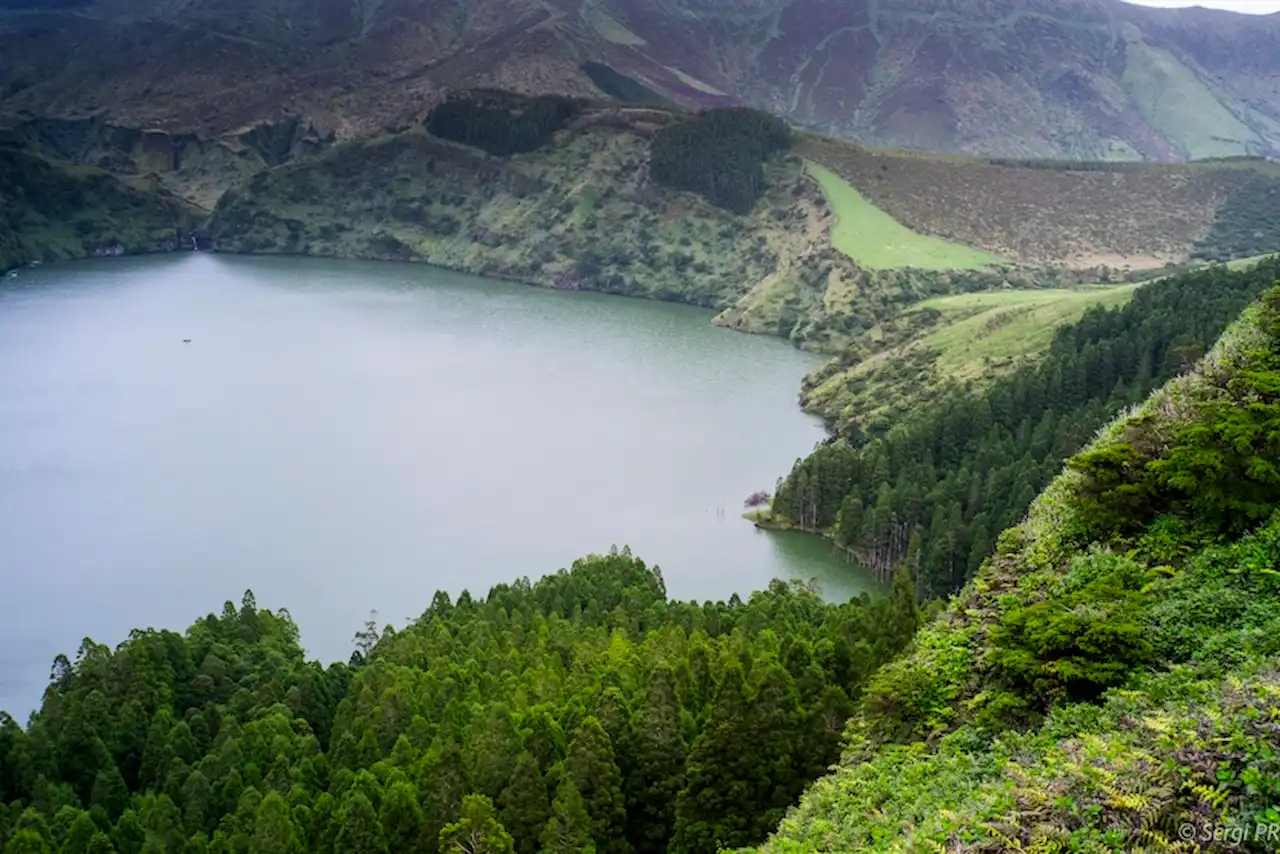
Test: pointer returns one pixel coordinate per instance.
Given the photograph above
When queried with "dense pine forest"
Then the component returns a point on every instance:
(934, 492)
(584, 712)
(499, 122)
(719, 154)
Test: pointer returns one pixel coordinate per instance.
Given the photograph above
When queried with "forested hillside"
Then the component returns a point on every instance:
(584, 712)
(935, 490)
(1107, 682)
(54, 211)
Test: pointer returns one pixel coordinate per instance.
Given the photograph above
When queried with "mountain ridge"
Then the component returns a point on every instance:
(1086, 79)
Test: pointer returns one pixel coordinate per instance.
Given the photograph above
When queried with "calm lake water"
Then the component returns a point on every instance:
(342, 437)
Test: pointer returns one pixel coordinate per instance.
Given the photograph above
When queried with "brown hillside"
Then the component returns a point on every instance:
(1140, 217)
(1019, 78)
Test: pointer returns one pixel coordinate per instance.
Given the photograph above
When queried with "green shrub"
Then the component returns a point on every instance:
(1085, 638)
(1220, 468)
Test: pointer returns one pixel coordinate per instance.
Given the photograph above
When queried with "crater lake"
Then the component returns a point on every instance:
(343, 437)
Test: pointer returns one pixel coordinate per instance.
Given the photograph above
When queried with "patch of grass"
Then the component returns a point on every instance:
(965, 339)
(993, 329)
(877, 241)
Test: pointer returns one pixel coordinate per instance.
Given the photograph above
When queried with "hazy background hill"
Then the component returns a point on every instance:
(1082, 78)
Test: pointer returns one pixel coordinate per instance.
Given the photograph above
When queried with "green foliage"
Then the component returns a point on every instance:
(1076, 642)
(877, 241)
(1219, 465)
(720, 154)
(56, 211)
(590, 684)
(569, 829)
(968, 465)
(478, 831)
(1092, 697)
(501, 123)
(1247, 223)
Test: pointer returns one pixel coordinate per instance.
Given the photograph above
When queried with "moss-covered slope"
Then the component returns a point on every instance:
(51, 211)
(1108, 681)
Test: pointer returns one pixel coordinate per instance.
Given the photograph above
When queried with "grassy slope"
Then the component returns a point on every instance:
(877, 241)
(944, 343)
(1087, 216)
(1188, 739)
(57, 211)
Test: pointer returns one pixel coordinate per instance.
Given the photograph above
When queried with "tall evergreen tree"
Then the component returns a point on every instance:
(477, 830)
(274, 831)
(657, 775)
(569, 830)
(590, 763)
(524, 804)
(361, 831)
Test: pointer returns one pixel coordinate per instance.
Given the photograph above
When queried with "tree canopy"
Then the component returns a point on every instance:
(582, 712)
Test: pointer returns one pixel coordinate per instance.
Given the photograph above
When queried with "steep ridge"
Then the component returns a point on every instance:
(1013, 78)
(1107, 681)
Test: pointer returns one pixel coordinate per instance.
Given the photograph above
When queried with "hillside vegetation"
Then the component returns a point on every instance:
(630, 200)
(54, 211)
(1068, 214)
(943, 345)
(932, 486)
(584, 712)
(877, 241)
(1107, 680)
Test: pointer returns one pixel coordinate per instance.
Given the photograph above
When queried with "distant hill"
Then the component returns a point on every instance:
(1085, 79)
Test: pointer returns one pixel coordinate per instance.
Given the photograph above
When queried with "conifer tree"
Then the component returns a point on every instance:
(568, 831)
(477, 830)
(361, 831)
(524, 805)
(442, 783)
(590, 763)
(274, 831)
(657, 776)
(402, 820)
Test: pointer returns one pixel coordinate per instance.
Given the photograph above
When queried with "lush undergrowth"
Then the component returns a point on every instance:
(1108, 681)
(877, 241)
(585, 712)
(53, 211)
(935, 489)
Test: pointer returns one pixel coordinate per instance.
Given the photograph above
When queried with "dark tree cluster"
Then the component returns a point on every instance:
(719, 154)
(501, 123)
(936, 491)
(585, 712)
(1248, 223)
